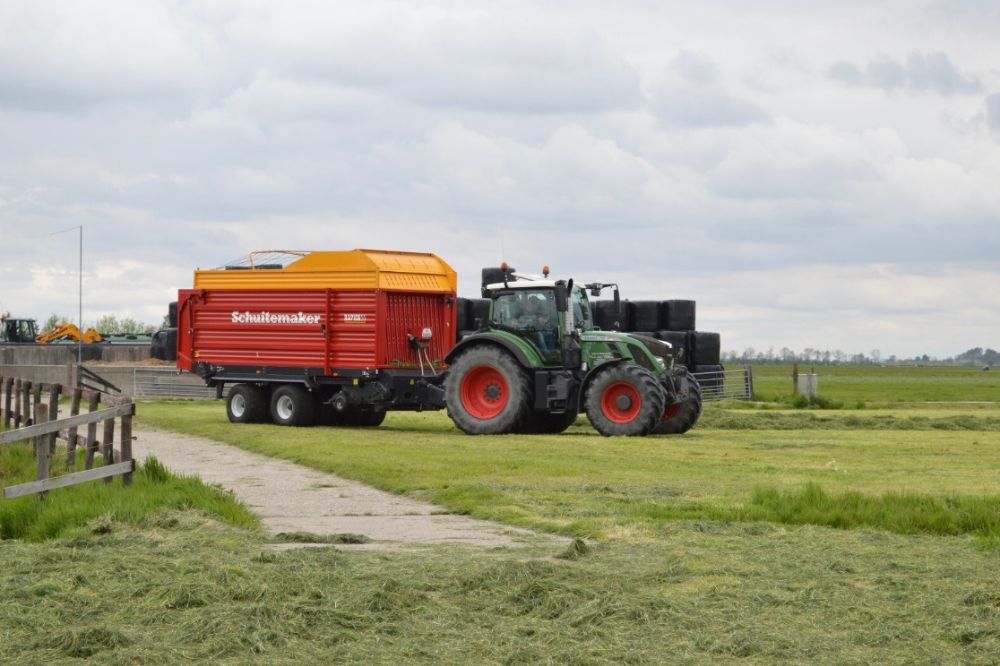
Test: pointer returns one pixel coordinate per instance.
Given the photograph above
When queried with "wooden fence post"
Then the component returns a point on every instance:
(55, 389)
(36, 401)
(107, 445)
(8, 386)
(42, 447)
(17, 404)
(88, 462)
(126, 445)
(71, 440)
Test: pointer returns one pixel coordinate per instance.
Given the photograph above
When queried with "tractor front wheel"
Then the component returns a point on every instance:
(487, 392)
(679, 417)
(625, 400)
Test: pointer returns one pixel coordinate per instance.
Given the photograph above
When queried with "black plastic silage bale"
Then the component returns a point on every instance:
(677, 315)
(462, 314)
(479, 309)
(611, 319)
(645, 315)
(706, 348)
(679, 341)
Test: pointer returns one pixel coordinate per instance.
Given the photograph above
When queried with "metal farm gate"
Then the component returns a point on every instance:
(169, 383)
(726, 384)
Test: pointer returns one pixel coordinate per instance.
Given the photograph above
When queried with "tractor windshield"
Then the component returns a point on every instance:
(582, 318)
(532, 314)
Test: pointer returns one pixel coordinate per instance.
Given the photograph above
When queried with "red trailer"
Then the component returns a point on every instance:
(336, 337)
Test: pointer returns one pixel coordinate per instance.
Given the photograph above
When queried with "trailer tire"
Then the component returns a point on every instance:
(680, 417)
(625, 400)
(247, 404)
(487, 392)
(370, 418)
(544, 423)
(292, 405)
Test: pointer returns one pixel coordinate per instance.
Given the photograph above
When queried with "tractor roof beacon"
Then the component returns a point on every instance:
(539, 361)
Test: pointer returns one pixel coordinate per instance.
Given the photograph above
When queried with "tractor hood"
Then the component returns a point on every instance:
(658, 347)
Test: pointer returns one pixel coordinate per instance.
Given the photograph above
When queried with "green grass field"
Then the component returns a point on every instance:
(764, 535)
(884, 385)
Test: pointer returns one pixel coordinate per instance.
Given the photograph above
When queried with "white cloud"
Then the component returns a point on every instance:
(701, 150)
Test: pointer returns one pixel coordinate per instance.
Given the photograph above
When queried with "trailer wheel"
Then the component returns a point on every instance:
(370, 418)
(247, 404)
(625, 400)
(487, 392)
(680, 417)
(292, 405)
(543, 423)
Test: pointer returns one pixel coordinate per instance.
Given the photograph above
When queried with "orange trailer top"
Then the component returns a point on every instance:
(352, 269)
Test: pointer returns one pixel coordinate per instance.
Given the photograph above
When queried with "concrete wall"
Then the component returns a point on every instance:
(60, 354)
(45, 374)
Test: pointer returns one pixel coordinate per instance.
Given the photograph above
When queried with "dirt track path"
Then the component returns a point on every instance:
(292, 498)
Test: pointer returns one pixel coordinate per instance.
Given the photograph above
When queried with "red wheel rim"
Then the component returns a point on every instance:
(484, 392)
(671, 411)
(620, 402)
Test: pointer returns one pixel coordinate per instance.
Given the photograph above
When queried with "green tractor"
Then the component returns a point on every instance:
(539, 361)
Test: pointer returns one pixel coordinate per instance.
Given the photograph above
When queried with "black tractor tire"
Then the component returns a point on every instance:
(625, 400)
(487, 392)
(544, 423)
(293, 405)
(247, 404)
(678, 418)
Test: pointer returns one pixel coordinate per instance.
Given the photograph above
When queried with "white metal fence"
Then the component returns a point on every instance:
(726, 384)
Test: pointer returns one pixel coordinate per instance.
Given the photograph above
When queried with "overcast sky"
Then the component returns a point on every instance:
(818, 175)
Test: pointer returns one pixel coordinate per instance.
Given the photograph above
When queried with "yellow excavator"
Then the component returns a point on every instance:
(68, 331)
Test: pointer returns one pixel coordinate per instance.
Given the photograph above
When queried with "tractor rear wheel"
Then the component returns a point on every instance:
(247, 404)
(680, 417)
(292, 405)
(625, 400)
(487, 392)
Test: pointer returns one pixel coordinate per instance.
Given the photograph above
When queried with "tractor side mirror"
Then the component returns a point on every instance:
(562, 298)
(618, 302)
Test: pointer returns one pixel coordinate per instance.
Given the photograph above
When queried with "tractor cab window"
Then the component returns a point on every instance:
(582, 318)
(531, 313)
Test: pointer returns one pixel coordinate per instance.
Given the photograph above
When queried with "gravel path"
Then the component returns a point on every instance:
(292, 498)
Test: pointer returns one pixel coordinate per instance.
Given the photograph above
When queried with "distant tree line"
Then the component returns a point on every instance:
(108, 325)
(974, 356)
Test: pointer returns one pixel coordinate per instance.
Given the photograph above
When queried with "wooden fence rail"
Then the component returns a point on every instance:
(23, 408)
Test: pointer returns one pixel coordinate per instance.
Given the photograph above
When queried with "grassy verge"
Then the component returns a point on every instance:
(582, 484)
(184, 590)
(881, 385)
(67, 509)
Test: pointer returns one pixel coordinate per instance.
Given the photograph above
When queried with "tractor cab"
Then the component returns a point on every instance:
(17, 330)
(535, 309)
